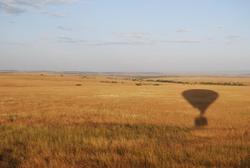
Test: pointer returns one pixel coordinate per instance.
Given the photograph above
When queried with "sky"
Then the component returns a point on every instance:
(168, 36)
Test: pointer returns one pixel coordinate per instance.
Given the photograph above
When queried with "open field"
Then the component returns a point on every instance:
(72, 121)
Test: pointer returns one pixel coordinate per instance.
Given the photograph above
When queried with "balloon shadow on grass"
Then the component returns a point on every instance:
(200, 99)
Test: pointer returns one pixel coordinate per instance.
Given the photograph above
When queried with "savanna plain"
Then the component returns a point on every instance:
(77, 121)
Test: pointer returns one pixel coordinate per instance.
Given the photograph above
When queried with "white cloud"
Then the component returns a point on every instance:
(183, 30)
(185, 41)
(220, 27)
(13, 43)
(12, 22)
(64, 28)
(232, 37)
(10, 8)
(66, 39)
(55, 14)
(20, 6)
(133, 35)
(119, 43)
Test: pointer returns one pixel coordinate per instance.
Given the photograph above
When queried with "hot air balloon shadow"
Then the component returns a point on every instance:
(200, 99)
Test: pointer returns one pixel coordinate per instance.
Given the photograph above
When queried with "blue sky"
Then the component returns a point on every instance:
(172, 36)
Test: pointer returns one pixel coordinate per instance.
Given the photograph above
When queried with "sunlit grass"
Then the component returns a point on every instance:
(48, 121)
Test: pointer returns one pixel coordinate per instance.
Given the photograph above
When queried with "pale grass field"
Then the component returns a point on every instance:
(49, 121)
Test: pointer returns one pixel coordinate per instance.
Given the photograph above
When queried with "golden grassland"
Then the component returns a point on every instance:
(72, 121)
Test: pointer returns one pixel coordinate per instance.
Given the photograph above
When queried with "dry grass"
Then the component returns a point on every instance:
(73, 121)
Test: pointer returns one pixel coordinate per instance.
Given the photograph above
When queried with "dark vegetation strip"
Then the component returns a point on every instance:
(202, 83)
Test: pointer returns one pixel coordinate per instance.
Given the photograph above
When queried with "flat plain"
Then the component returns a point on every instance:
(72, 121)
